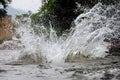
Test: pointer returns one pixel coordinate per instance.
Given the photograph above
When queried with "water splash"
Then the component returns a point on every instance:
(41, 48)
(86, 38)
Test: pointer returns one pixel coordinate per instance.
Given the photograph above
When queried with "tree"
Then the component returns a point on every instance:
(4, 3)
(61, 13)
(45, 13)
(64, 12)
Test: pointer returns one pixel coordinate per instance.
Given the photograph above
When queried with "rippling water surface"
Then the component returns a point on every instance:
(100, 69)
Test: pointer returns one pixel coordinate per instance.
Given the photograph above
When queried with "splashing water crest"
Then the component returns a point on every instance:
(87, 37)
(43, 48)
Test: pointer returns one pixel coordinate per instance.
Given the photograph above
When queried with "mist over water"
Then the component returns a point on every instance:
(86, 38)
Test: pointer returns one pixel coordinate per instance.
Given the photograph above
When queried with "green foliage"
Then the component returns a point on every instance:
(18, 16)
(61, 13)
(23, 17)
(44, 14)
(48, 7)
(5, 4)
(64, 12)
(2, 13)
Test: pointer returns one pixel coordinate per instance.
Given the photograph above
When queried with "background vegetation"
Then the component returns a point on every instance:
(3, 3)
(61, 13)
(5, 34)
